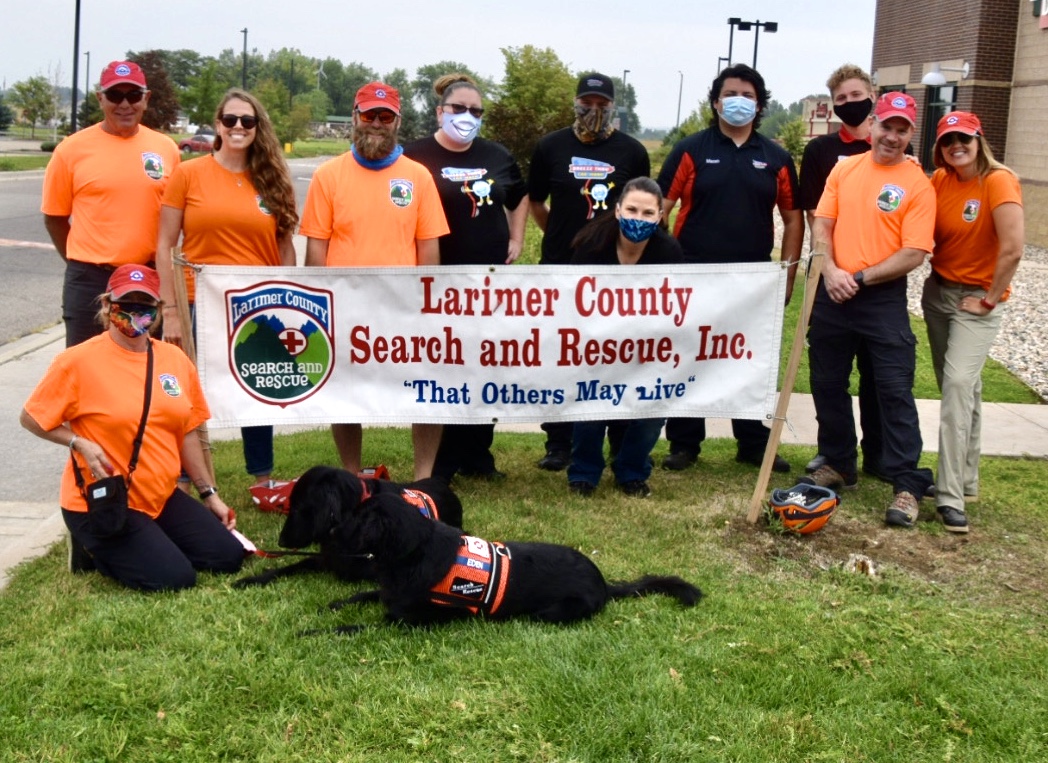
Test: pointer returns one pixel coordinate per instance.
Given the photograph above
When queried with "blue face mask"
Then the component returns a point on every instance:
(738, 111)
(637, 230)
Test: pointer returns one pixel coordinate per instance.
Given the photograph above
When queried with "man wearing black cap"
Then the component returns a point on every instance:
(580, 170)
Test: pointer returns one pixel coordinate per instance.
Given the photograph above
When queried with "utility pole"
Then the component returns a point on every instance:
(243, 73)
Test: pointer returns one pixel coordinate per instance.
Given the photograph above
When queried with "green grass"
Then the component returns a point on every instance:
(22, 163)
(941, 657)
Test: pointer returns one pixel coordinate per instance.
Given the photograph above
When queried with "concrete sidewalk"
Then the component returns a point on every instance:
(30, 521)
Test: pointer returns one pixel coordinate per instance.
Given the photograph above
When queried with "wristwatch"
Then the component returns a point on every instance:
(860, 278)
(208, 492)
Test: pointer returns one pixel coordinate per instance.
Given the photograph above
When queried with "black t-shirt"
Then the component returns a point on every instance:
(582, 181)
(820, 157)
(476, 187)
(728, 194)
(662, 249)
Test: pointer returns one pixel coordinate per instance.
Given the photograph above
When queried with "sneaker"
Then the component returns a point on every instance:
(903, 511)
(272, 496)
(954, 520)
(679, 460)
(635, 488)
(554, 461)
(79, 560)
(827, 476)
(780, 464)
(815, 463)
(584, 489)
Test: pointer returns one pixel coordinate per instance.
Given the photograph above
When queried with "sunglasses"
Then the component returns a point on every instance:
(458, 108)
(119, 96)
(135, 308)
(949, 138)
(229, 121)
(379, 115)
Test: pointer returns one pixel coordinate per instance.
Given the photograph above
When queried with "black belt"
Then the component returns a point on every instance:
(952, 284)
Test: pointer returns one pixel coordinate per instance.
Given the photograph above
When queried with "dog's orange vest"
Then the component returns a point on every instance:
(425, 504)
(477, 580)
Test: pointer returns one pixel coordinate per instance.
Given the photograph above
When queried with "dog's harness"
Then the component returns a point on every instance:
(477, 580)
(425, 504)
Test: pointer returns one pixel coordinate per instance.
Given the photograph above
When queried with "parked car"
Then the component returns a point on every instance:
(199, 143)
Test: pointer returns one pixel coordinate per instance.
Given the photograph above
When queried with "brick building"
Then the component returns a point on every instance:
(985, 56)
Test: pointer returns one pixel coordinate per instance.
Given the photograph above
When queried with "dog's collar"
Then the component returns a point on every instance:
(477, 580)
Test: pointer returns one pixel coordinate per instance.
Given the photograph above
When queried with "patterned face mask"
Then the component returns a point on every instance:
(593, 123)
(132, 319)
(637, 230)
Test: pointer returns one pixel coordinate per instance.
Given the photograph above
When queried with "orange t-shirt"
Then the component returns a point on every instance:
(966, 242)
(878, 210)
(111, 187)
(225, 221)
(98, 387)
(372, 217)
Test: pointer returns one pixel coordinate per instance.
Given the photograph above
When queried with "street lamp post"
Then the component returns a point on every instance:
(769, 26)
(76, 60)
(722, 60)
(745, 26)
(680, 94)
(87, 81)
(624, 73)
(243, 72)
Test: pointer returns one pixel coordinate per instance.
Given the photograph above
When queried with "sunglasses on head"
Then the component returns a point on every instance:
(119, 96)
(950, 137)
(229, 121)
(458, 108)
(136, 308)
(380, 115)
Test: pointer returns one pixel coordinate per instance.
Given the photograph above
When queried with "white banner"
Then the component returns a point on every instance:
(478, 344)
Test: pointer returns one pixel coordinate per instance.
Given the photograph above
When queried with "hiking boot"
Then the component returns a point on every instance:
(679, 460)
(780, 465)
(272, 496)
(815, 463)
(583, 489)
(635, 488)
(79, 560)
(954, 520)
(554, 461)
(827, 476)
(903, 511)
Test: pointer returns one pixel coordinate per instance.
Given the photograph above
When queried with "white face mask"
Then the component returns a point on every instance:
(461, 128)
(738, 110)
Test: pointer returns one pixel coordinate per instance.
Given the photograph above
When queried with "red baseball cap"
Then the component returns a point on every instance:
(377, 95)
(129, 278)
(122, 73)
(896, 104)
(959, 121)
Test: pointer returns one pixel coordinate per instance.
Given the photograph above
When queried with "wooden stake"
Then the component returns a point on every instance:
(811, 282)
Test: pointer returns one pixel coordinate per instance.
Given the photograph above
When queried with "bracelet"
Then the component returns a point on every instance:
(208, 492)
(987, 304)
(70, 443)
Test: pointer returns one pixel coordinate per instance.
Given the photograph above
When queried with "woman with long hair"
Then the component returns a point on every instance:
(631, 236)
(978, 245)
(482, 192)
(233, 207)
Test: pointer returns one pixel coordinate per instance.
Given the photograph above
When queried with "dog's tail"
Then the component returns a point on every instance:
(681, 590)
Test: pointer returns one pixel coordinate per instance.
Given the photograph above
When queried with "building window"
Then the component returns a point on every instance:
(940, 102)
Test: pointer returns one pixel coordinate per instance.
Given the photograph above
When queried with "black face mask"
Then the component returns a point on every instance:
(854, 113)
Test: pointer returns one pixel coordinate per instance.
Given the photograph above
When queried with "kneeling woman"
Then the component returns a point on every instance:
(630, 237)
(93, 400)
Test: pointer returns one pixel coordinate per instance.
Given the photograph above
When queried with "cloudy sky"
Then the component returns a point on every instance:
(663, 45)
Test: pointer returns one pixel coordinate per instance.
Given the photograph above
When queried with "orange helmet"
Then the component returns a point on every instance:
(804, 508)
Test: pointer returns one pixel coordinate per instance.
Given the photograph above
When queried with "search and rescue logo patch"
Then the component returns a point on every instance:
(281, 348)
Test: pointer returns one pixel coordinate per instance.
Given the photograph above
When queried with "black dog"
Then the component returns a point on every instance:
(320, 501)
(429, 572)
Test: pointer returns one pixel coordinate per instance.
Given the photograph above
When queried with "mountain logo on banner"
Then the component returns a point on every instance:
(281, 348)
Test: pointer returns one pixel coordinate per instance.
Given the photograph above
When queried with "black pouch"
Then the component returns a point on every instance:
(107, 506)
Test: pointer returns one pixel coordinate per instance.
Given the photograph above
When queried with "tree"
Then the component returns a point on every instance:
(290, 124)
(317, 102)
(89, 112)
(162, 113)
(412, 125)
(341, 83)
(36, 98)
(537, 96)
(294, 70)
(792, 138)
(201, 98)
(7, 117)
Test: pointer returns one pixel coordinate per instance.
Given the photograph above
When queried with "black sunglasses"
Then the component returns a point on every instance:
(383, 116)
(458, 108)
(229, 121)
(119, 96)
(948, 138)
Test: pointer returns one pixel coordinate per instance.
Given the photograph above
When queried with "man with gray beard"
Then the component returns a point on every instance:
(374, 207)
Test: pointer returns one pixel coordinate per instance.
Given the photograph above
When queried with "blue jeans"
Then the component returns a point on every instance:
(161, 554)
(631, 463)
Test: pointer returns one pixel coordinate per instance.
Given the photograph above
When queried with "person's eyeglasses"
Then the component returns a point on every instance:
(119, 96)
(229, 121)
(135, 308)
(458, 108)
(380, 115)
(948, 139)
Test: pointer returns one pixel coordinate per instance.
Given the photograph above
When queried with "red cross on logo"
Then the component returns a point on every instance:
(294, 340)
